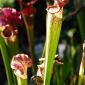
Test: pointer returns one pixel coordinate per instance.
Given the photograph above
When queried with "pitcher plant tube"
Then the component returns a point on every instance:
(53, 29)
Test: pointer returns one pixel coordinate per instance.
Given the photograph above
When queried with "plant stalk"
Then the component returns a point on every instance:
(6, 61)
(21, 81)
(29, 28)
(53, 30)
(82, 66)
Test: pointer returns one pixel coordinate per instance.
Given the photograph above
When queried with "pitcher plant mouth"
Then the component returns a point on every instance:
(20, 63)
(56, 7)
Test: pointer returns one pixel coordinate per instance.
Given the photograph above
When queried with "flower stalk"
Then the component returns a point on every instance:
(13, 48)
(28, 21)
(22, 81)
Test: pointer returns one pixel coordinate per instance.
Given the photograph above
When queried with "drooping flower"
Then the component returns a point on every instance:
(20, 63)
(27, 11)
(10, 19)
(27, 8)
(9, 16)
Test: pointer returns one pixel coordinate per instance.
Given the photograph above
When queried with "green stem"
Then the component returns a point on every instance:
(81, 74)
(6, 61)
(81, 20)
(28, 21)
(80, 80)
(43, 52)
(82, 66)
(21, 81)
(31, 45)
(56, 80)
(13, 48)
